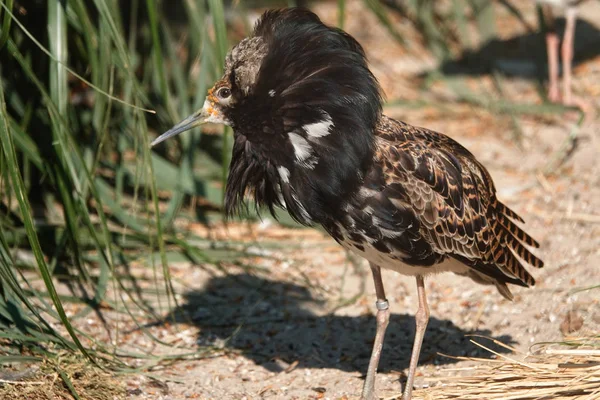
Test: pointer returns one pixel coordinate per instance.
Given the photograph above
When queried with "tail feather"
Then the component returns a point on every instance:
(522, 251)
(504, 258)
(517, 231)
(504, 209)
(489, 274)
(515, 267)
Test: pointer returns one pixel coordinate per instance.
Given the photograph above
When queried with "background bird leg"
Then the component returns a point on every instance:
(552, 45)
(421, 318)
(383, 317)
(552, 49)
(567, 54)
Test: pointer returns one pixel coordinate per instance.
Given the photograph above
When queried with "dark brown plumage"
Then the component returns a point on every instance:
(310, 136)
(428, 187)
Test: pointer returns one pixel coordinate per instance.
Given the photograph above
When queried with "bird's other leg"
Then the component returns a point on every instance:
(567, 54)
(383, 317)
(552, 48)
(421, 318)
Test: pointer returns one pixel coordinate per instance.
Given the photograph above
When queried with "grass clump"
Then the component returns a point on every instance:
(66, 376)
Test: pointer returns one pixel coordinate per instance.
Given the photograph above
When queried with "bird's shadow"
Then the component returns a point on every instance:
(523, 55)
(272, 324)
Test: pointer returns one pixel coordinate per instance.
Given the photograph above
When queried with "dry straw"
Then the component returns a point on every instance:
(67, 376)
(569, 370)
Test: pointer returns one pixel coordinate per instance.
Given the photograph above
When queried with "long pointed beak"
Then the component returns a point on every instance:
(198, 118)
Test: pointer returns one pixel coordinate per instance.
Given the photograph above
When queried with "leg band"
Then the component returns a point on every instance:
(382, 305)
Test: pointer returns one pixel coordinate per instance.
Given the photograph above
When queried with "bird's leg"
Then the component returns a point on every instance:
(421, 318)
(552, 48)
(567, 54)
(383, 317)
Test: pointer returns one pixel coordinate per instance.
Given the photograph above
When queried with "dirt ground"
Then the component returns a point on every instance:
(299, 324)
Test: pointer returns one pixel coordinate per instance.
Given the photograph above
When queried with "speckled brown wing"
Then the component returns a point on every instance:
(453, 199)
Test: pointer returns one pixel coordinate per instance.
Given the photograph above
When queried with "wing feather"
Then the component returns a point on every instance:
(453, 199)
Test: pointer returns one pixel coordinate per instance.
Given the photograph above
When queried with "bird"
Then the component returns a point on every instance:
(552, 44)
(310, 137)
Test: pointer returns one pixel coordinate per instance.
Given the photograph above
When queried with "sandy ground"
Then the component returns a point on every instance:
(300, 323)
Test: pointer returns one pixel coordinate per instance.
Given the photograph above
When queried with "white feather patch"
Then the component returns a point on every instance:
(390, 234)
(321, 128)
(281, 198)
(213, 115)
(366, 192)
(303, 211)
(284, 173)
(302, 148)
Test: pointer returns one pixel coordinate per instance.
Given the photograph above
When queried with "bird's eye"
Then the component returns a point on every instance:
(224, 93)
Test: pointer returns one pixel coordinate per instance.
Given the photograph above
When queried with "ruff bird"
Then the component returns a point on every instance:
(552, 45)
(310, 137)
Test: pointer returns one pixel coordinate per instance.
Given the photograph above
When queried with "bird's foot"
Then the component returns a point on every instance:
(585, 107)
(554, 94)
(575, 101)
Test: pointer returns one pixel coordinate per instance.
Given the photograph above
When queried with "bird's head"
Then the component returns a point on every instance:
(303, 106)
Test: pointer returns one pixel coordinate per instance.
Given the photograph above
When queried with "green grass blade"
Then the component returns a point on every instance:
(48, 53)
(221, 47)
(10, 155)
(381, 13)
(341, 10)
(151, 6)
(68, 383)
(458, 8)
(486, 20)
(5, 24)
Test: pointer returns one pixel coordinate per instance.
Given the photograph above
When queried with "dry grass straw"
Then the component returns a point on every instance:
(550, 371)
(47, 381)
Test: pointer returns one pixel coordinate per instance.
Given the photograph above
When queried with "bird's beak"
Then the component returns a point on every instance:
(198, 118)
